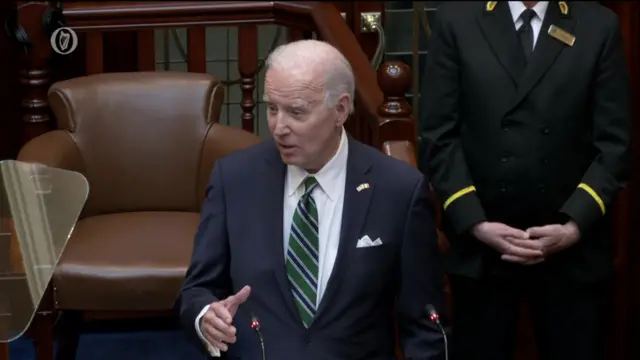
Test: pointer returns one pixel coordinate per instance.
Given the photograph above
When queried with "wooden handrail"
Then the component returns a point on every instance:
(307, 15)
(96, 15)
(382, 112)
(332, 29)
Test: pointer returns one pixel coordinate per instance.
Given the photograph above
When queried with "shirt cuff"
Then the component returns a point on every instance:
(213, 351)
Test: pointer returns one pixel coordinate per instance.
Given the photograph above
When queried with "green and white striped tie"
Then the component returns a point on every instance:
(302, 253)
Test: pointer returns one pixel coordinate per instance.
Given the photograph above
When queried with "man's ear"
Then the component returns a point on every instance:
(343, 109)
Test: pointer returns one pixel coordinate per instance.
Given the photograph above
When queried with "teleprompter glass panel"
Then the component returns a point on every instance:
(39, 207)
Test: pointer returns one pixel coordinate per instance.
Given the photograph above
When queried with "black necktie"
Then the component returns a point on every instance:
(525, 33)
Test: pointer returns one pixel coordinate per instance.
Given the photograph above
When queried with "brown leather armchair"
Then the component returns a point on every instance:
(146, 142)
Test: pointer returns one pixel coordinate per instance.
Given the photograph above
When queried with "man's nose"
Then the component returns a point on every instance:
(281, 126)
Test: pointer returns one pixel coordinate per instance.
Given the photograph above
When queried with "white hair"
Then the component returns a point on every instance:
(318, 57)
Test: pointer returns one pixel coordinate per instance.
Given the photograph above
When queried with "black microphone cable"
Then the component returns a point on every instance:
(435, 318)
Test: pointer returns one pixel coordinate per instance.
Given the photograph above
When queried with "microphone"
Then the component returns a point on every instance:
(435, 318)
(255, 325)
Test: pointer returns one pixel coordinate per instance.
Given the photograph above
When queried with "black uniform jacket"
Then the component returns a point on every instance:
(527, 143)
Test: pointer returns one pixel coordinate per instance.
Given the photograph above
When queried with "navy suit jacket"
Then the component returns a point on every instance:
(240, 242)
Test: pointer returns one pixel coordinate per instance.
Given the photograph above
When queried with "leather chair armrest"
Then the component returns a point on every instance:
(55, 149)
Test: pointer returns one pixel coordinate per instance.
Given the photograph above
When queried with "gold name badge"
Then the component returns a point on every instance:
(561, 35)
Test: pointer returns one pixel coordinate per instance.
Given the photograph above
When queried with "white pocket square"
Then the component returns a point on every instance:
(366, 241)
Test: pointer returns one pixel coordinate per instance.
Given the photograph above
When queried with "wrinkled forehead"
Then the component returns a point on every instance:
(293, 87)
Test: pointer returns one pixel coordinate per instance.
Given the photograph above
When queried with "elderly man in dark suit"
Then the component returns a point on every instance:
(527, 120)
(316, 235)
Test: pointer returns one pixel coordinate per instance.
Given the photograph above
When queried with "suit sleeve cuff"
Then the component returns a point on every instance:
(463, 209)
(213, 351)
(584, 207)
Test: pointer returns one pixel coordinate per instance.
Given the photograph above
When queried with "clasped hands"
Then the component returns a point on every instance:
(530, 246)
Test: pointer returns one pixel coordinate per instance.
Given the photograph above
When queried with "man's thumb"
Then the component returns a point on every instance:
(239, 298)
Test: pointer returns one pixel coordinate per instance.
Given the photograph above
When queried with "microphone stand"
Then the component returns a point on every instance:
(255, 325)
(444, 335)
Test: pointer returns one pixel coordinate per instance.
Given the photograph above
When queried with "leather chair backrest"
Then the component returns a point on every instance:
(148, 140)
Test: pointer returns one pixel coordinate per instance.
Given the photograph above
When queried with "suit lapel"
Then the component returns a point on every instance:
(354, 214)
(545, 53)
(272, 185)
(499, 31)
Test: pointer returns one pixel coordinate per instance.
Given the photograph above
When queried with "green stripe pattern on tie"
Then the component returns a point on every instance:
(302, 254)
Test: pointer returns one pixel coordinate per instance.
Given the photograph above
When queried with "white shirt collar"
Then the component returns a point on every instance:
(518, 7)
(327, 176)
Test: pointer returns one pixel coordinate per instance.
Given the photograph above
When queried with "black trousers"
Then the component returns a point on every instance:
(569, 319)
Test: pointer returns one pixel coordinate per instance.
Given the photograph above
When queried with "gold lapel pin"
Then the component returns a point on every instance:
(491, 5)
(564, 8)
(561, 35)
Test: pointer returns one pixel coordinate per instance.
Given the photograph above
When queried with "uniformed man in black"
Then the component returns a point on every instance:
(527, 125)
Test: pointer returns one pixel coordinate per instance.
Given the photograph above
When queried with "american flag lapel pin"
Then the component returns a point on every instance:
(363, 186)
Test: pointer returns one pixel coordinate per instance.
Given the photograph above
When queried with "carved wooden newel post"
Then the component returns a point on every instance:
(396, 121)
(29, 32)
(34, 76)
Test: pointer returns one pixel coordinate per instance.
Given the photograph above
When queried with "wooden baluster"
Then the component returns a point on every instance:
(95, 53)
(35, 105)
(197, 49)
(35, 75)
(396, 121)
(146, 50)
(247, 66)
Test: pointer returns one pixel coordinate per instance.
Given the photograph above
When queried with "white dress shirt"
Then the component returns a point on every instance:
(329, 198)
(518, 7)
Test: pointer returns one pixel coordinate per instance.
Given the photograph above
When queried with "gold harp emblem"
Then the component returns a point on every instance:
(564, 8)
